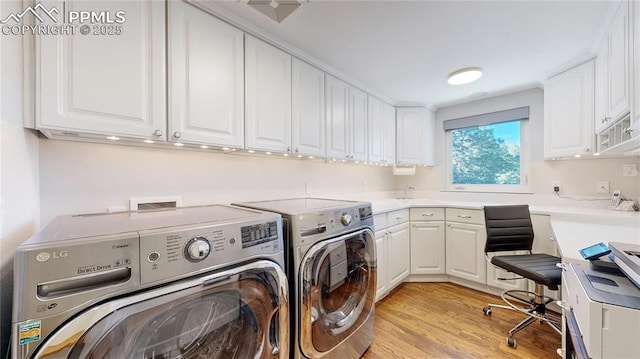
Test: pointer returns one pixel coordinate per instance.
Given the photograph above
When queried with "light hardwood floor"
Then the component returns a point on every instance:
(445, 320)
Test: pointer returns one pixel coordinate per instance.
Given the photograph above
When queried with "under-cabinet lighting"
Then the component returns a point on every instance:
(299, 156)
(113, 138)
(178, 144)
(597, 154)
(464, 76)
(576, 156)
(268, 153)
(204, 147)
(311, 157)
(286, 154)
(251, 151)
(149, 141)
(225, 148)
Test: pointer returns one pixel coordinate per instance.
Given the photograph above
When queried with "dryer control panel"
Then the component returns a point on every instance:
(183, 252)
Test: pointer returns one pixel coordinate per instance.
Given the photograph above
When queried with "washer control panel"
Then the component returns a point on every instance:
(177, 253)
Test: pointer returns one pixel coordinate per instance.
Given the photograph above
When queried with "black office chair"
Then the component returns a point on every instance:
(509, 228)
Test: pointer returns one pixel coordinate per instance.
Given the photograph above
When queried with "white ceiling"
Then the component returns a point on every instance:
(405, 49)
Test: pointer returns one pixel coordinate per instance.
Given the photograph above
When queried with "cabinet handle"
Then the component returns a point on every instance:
(605, 120)
(427, 215)
(587, 149)
(398, 218)
(288, 149)
(297, 149)
(157, 133)
(464, 216)
(448, 224)
(561, 266)
(177, 134)
(627, 131)
(552, 239)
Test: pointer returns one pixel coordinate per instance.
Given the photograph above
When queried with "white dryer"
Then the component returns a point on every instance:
(190, 282)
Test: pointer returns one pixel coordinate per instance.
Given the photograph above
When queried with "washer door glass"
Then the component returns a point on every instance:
(228, 316)
(338, 284)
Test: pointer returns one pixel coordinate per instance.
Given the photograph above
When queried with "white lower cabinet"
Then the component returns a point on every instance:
(392, 249)
(399, 254)
(382, 285)
(465, 239)
(427, 241)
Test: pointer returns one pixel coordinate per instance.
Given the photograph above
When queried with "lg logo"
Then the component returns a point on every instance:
(45, 256)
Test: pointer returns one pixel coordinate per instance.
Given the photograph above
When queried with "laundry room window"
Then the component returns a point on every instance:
(486, 153)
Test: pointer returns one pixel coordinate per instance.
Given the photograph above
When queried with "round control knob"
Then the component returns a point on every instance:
(197, 249)
(345, 219)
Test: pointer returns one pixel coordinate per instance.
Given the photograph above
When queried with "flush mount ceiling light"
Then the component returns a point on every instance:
(275, 9)
(464, 76)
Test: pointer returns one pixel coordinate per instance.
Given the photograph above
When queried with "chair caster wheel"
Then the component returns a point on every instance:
(511, 341)
(486, 310)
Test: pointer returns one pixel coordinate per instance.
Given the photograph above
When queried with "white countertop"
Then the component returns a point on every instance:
(574, 227)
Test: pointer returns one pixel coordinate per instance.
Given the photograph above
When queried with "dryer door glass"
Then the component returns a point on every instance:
(338, 291)
(228, 316)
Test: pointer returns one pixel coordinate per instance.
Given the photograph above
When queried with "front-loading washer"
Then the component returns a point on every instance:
(193, 282)
(331, 265)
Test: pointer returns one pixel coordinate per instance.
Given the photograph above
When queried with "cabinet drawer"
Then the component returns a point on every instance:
(426, 214)
(474, 216)
(380, 221)
(397, 217)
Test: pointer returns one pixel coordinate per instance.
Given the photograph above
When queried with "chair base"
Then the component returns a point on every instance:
(535, 308)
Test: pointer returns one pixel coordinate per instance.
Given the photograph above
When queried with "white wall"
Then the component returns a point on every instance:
(578, 177)
(87, 177)
(19, 188)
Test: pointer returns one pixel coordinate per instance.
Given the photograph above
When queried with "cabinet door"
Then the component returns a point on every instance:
(427, 248)
(336, 111)
(389, 130)
(619, 74)
(601, 117)
(569, 116)
(307, 106)
(414, 136)
(399, 254)
(107, 85)
(382, 284)
(465, 251)
(206, 78)
(357, 125)
(376, 130)
(268, 101)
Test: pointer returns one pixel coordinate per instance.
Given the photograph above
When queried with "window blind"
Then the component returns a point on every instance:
(514, 114)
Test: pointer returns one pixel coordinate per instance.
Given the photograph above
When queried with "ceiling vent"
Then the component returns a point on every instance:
(277, 10)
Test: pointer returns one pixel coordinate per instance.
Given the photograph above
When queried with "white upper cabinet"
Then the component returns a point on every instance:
(414, 136)
(307, 106)
(206, 78)
(382, 132)
(105, 84)
(357, 125)
(636, 65)
(613, 71)
(569, 112)
(268, 97)
(389, 113)
(337, 114)
(376, 130)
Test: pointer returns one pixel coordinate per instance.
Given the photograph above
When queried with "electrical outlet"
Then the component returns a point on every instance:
(556, 185)
(602, 186)
(307, 188)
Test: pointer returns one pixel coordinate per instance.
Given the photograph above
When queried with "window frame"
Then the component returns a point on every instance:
(523, 187)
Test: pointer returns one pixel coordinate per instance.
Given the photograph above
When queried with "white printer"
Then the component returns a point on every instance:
(602, 308)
